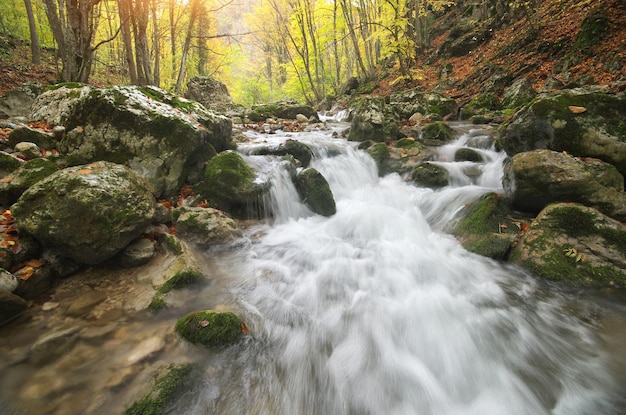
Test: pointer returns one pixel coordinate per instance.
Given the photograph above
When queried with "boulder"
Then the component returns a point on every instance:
(406, 103)
(137, 253)
(536, 178)
(86, 213)
(437, 132)
(576, 244)
(29, 173)
(170, 384)
(315, 192)
(28, 150)
(297, 149)
(430, 175)
(584, 122)
(27, 134)
(11, 306)
(401, 158)
(8, 282)
(518, 94)
(17, 101)
(208, 91)
(373, 120)
(8, 163)
(281, 109)
(228, 184)
(165, 139)
(204, 226)
(211, 328)
(468, 154)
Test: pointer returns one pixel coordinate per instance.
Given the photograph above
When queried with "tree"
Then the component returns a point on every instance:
(34, 38)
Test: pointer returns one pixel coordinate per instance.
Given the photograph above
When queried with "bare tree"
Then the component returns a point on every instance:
(34, 38)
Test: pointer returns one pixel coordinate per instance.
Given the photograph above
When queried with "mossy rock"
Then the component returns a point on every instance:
(180, 280)
(482, 103)
(315, 192)
(297, 149)
(281, 109)
(211, 328)
(408, 142)
(167, 389)
(8, 163)
(373, 120)
(438, 131)
(24, 177)
(430, 175)
(592, 30)
(228, 184)
(489, 227)
(468, 154)
(574, 244)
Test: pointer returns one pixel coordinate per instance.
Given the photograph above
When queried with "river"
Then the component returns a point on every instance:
(377, 310)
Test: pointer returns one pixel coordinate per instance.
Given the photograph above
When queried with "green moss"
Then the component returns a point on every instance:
(157, 303)
(69, 85)
(490, 245)
(172, 244)
(181, 279)
(379, 152)
(574, 221)
(165, 391)
(315, 192)
(592, 30)
(210, 328)
(437, 130)
(152, 93)
(406, 143)
(467, 154)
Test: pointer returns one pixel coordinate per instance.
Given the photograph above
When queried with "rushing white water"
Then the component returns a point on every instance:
(376, 310)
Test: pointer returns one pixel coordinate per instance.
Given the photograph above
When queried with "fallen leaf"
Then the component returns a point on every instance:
(25, 273)
(576, 110)
(35, 263)
(244, 328)
(203, 323)
(7, 179)
(84, 171)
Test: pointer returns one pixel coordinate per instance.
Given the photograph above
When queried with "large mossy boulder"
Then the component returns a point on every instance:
(211, 328)
(373, 120)
(229, 184)
(300, 151)
(437, 132)
(536, 178)
(584, 122)
(575, 244)
(86, 213)
(281, 109)
(315, 192)
(401, 158)
(204, 226)
(406, 103)
(164, 138)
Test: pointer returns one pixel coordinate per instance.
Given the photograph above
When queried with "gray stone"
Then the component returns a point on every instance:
(11, 306)
(17, 101)
(84, 303)
(137, 253)
(205, 226)
(28, 150)
(8, 282)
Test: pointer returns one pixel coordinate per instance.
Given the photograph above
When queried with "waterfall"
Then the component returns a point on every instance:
(376, 310)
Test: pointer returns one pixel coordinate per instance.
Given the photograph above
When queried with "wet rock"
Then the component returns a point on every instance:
(430, 175)
(575, 244)
(8, 163)
(34, 281)
(8, 281)
(228, 184)
(11, 306)
(281, 109)
(537, 178)
(28, 150)
(205, 226)
(302, 118)
(53, 345)
(437, 131)
(137, 253)
(84, 303)
(468, 154)
(162, 137)
(146, 349)
(373, 120)
(585, 122)
(298, 150)
(170, 384)
(86, 213)
(210, 328)
(315, 192)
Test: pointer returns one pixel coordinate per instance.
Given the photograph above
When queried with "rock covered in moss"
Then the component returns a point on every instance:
(169, 385)
(300, 151)
(211, 93)
(24, 177)
(537, 178)
(584, 122)
(181, 279)
(164, 138)
(468, 154)
(373, 120)
(315, 192)
(211, 328)
(575, 244)
(10, 306)
(430, 175)
(406, 103)
(281, 109)
(86, 213)
(25, 133)
(205, 226)
(437, 131)
(228, 184)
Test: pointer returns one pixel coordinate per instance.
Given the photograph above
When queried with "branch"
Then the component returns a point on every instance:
(111, 39)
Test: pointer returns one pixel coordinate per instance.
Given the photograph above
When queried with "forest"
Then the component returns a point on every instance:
(263, 50)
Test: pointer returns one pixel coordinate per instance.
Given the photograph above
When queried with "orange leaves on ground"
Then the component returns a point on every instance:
(84, 172)
(25, 273)
(7, 179)
(576, 110)
(40, 125)
(244, 328)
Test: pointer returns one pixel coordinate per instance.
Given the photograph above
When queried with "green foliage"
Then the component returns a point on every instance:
(165, 391)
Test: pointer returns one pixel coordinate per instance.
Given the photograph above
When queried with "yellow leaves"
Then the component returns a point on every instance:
(577, 110)
(573, 253)
(25, 273)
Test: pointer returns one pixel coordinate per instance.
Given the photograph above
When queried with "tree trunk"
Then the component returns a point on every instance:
(156, 42)
(187, 45)
(125, 8)
(34, 39)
